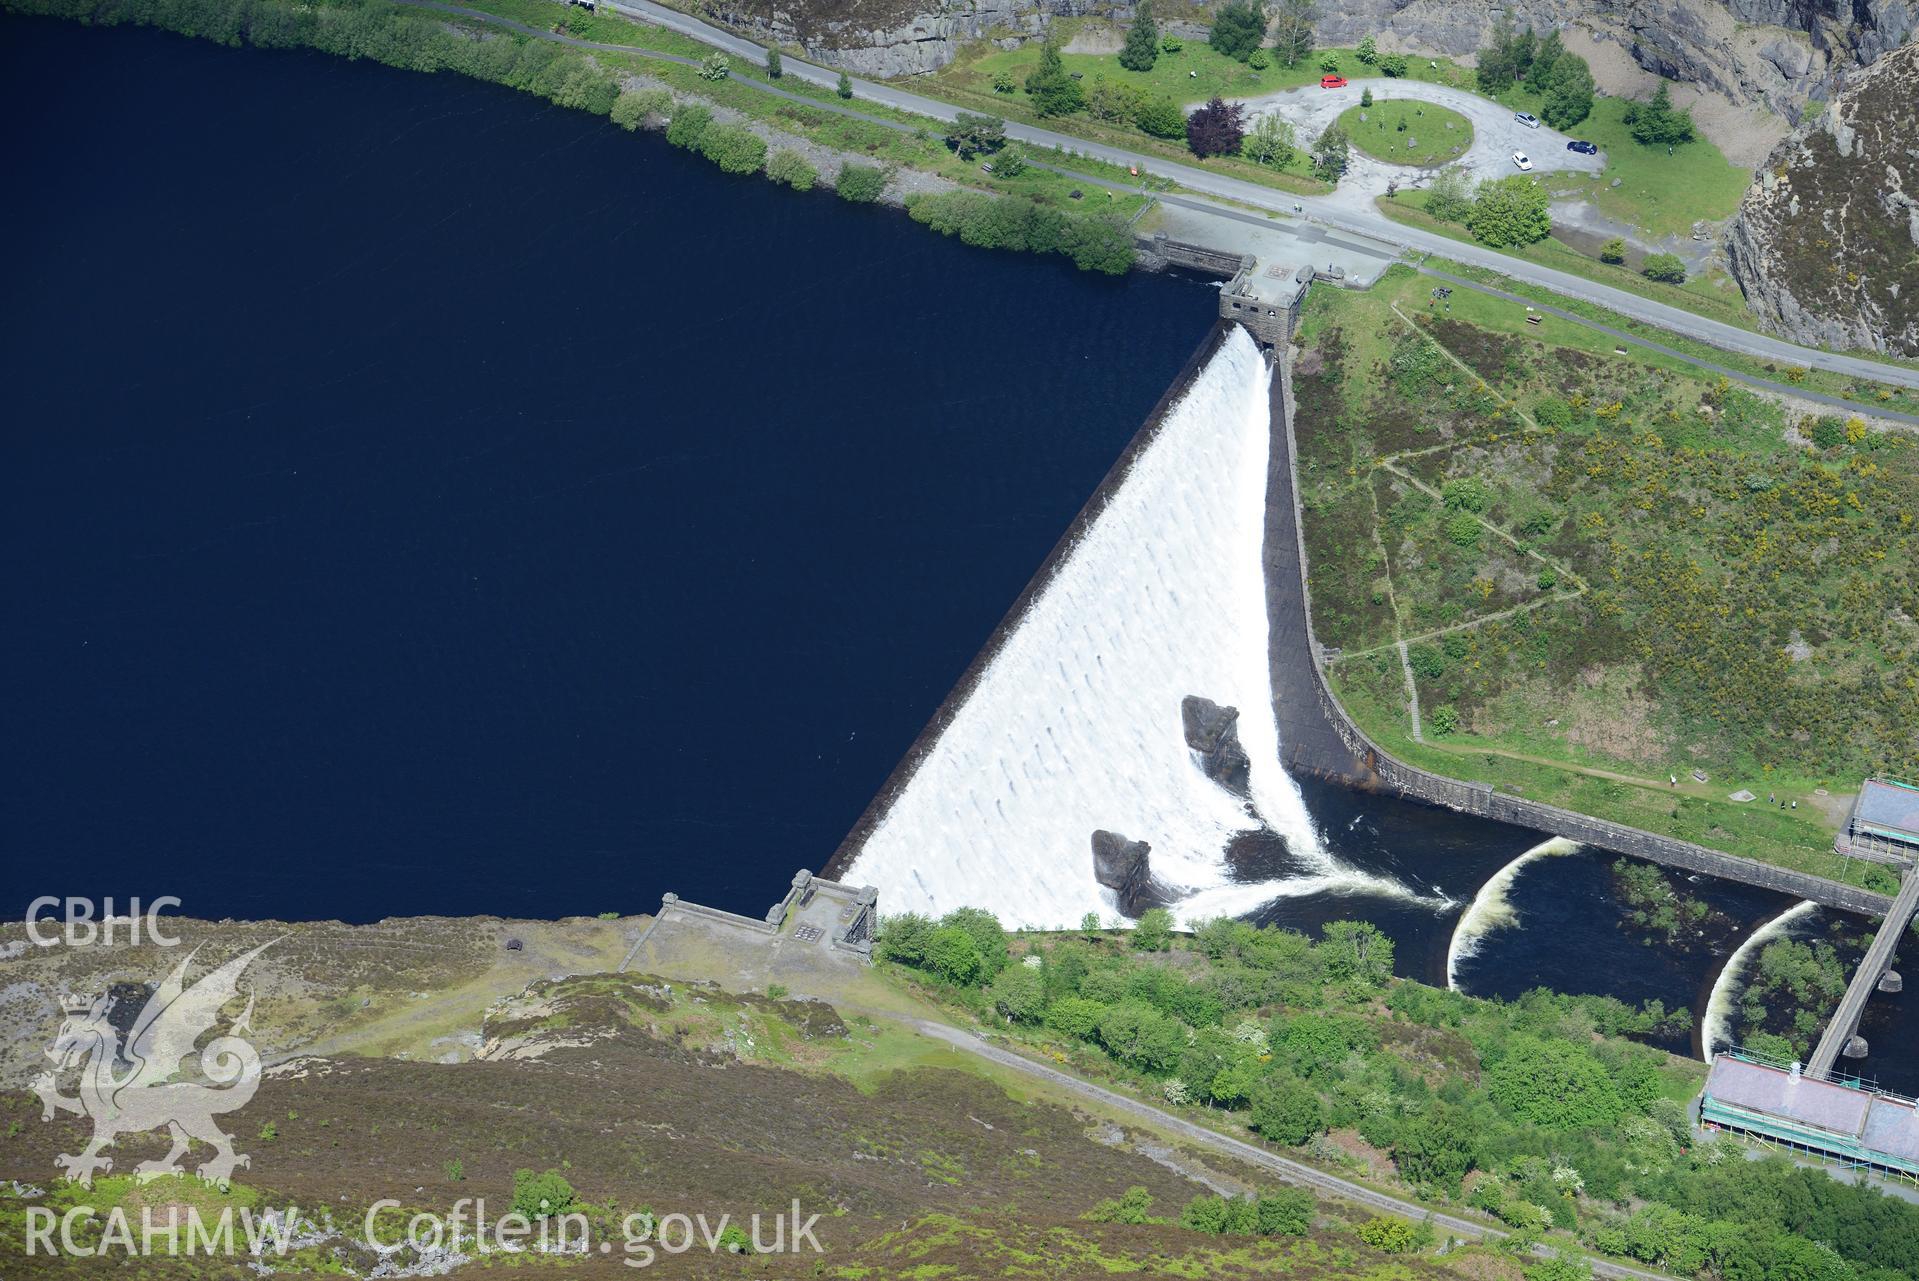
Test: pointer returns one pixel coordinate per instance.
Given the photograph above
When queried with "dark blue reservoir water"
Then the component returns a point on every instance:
(416, 498)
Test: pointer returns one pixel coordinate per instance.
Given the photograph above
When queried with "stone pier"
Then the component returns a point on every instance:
(1841, 1035)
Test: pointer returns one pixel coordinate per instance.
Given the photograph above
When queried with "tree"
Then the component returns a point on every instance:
(1286, 1212)
(1141, 50)
(1394, 65)
(1154, 933)
(1554, 1084)
(1329, 63)
(1141, 1037)
(1019, 994)
(1161, 117)
(1505, 62)
(1510, 211)
(1238, 28)
(1099, 243)
(1368, 51)
(1569, 92)
(1216, 129)
(1287, 1110)
(970, 135)
(952, 954)
(903, 937)
(1089, 926)
(1113, 100)
(1394, 1236)
(1270, 142)
(1366, 96)
(1613, 251)
(716, 66)
(1010, 163)
(845, 86)
(988, 935)
(861, 184)
(1357, 952)
(1450, 195)
(1331, 153)
(774, 68)
(1436, 1149)
(634, 105)
(1075, 1016)
(1293, 30)
(1654, 123)
(1054, 92)
(1670, 268)
(1546, 56)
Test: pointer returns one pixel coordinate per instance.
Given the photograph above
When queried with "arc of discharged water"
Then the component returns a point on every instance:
(1716, 1029)
(1492, 908)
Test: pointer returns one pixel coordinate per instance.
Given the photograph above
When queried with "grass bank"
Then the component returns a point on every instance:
(1406, 132)
(1609, 571)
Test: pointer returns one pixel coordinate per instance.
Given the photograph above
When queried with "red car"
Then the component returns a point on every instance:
(1332, 82)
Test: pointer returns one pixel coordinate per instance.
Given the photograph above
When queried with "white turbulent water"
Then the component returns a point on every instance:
(1715, 1033)
(1075, 724)
(1492, 908)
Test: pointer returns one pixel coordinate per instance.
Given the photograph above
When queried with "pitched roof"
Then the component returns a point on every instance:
(1888, 807)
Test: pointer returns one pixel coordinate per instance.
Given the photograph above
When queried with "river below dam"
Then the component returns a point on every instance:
(419, 499)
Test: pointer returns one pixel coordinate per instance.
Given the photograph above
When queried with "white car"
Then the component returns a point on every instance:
(1523, 161)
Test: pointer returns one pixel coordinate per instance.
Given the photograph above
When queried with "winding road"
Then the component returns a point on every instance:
(1328, 210)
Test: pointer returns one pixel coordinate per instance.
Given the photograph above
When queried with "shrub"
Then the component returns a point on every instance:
(1161, 117)
(1553, 412)
(988, 935)
(1828, 432)
(1259, 60)
(632, 107)
(1394, 1236)
(1467, 493)
(455, 1170)
(1670, 268)
(1553, 1084)
(774, 67)
(1075, 1016)
(1131, 1206)
(970, 135)
(734, 148)
(1154, 933)
(1429, 662)
(1613, 251)
(793, 169)
(1548, 579)
(688, 126)
(1331, 153)
(716, 66)
(1019, 993)
(903, 938)
(1171, 44)
(1366, 96)
(1368, 51)
(845, 86)
(1450, 195)
(1394, 65)
(1010, 163)
(1462, 530)
(861, 184)
(536, 1196)
(1444, 720)
(1286, 1212)
(1141, 1037)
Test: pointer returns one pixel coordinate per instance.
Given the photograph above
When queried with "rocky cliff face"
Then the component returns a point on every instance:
(1826, 244)
(1776, 52)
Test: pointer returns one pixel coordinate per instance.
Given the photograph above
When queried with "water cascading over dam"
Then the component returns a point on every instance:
(1715, 1032)
(1074, 724)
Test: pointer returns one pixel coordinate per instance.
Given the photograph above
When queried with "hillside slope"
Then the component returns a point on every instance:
(1826, 244)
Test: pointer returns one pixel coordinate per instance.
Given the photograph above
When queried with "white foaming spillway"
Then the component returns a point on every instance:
(1492, 908)
(1075, 724)
(1715, 1031)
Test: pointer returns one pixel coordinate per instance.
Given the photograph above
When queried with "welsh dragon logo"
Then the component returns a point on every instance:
(132, 1089)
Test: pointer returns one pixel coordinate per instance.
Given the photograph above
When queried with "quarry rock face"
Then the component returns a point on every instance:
(1212, 731)
(1826, 243)
(1124, 867)
(1775, 52)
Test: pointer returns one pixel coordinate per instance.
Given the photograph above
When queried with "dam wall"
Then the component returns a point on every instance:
(909, 766)
(1322, 739)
